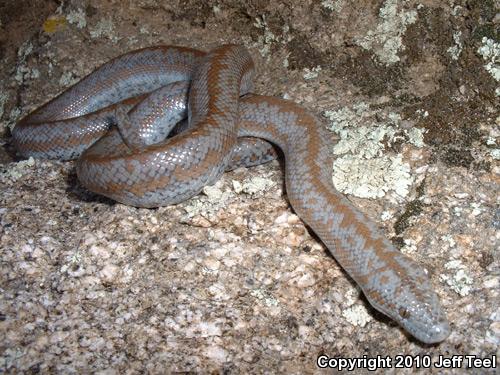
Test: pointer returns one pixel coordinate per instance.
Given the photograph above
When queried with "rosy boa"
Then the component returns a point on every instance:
(137, 165)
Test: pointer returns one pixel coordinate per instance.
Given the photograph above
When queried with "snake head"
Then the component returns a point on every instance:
(409, 299)
(423, 317)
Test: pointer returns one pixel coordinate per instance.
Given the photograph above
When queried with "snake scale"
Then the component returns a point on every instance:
(115, 121)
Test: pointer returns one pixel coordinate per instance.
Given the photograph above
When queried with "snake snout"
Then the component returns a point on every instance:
(425, 319)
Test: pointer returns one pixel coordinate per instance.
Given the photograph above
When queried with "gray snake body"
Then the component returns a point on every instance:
(136, 167)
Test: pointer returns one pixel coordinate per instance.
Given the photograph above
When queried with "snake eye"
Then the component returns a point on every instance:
(404, 313)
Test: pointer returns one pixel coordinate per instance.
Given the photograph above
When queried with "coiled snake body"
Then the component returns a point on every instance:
(135, 164)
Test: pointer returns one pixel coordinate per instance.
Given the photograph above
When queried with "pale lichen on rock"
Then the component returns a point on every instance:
(362, 168)
(357, 315)
(386, 40)
(490, 52)
(311, 73)
(456, 49)
(460, 281)
(333, 5)
(14, 171)
(104, 28)
(77, 17)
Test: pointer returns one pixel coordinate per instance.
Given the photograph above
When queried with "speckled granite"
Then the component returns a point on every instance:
(232, 281)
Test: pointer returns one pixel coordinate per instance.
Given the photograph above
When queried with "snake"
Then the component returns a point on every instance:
(116, 122)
